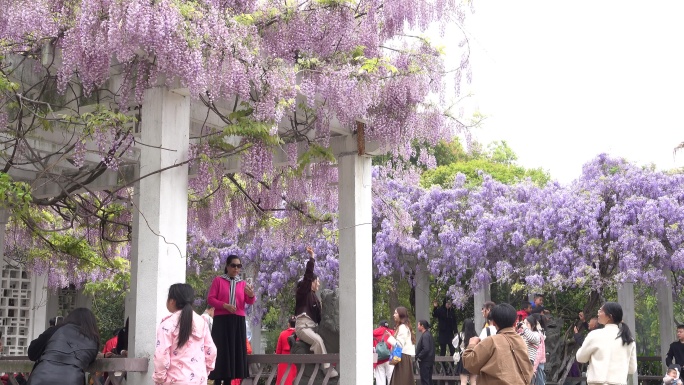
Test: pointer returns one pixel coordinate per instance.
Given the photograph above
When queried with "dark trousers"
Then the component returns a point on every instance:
(426, 372)
(443, 349)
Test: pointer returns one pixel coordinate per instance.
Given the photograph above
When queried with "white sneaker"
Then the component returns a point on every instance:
(333, 373)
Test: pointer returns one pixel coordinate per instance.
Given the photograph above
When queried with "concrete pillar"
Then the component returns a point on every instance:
(256, 336)
(423, 303)
(4, 218)
(158, 246)
(626, 299)
(480, 297)
(356, 274)
(40, 305)
(665, 318)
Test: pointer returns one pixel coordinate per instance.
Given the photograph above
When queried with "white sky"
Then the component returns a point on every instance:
(563, 81)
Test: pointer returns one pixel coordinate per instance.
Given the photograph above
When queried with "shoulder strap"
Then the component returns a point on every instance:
(515, 356)
(489, 331)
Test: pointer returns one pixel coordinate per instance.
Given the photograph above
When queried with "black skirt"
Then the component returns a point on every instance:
(230, 336)
(460, 369)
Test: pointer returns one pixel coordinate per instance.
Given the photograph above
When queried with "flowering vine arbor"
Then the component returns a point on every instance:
(107, 107)
(616, 225)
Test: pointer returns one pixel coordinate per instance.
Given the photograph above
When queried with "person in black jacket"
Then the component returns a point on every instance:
(65, 351)
(425, 352)
(308, 311)
(676, 349)
(446, 325)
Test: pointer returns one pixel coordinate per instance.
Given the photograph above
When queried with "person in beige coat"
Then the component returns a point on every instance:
(404, 337)
(502, 358)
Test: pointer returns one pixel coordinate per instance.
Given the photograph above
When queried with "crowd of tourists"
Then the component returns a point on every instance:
(194, 349)
(190, 348)
(510, 348)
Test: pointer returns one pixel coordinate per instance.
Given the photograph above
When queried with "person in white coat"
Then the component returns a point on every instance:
(488, 330)
(404, 337)
(611, 351)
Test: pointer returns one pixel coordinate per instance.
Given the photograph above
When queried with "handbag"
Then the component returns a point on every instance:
(457, 344)
(395, 357)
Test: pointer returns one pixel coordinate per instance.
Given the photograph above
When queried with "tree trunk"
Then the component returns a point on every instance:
(394, 293)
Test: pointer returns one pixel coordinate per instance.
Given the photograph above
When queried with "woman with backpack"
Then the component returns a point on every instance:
(382, 370)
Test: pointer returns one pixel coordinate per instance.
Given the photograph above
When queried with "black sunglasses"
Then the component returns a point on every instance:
(236, 265)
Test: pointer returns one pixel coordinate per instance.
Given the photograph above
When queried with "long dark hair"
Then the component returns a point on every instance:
(614, 311)
(122, 339)
(535, 320)
(230, 259)
(468, 330)
(404, 320)
(183, 294)
(86, 322)
(489, 305)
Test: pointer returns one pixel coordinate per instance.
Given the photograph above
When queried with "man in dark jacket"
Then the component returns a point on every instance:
(446, 325)
(425, 352)
(676, 351)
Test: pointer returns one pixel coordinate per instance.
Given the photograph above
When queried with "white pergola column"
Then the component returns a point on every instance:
(626, 299)
(423, 303)
(479, 298)
(665, 317)
(356, 279)
(4, 218)
(256, 338)
(40, 305)
(160, 221)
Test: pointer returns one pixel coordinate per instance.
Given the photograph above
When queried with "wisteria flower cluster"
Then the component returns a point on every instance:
(616, 223)
(289, 70)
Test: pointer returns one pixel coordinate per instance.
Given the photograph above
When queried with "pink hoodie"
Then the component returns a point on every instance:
(190, 364)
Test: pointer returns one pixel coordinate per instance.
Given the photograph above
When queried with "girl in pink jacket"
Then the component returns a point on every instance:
(185, 352)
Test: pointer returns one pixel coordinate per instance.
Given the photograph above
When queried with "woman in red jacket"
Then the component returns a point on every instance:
(283, 347)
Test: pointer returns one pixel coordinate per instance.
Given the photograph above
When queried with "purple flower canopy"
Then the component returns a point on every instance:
(617, 222)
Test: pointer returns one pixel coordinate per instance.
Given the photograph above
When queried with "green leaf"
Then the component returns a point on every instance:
(314, 153)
